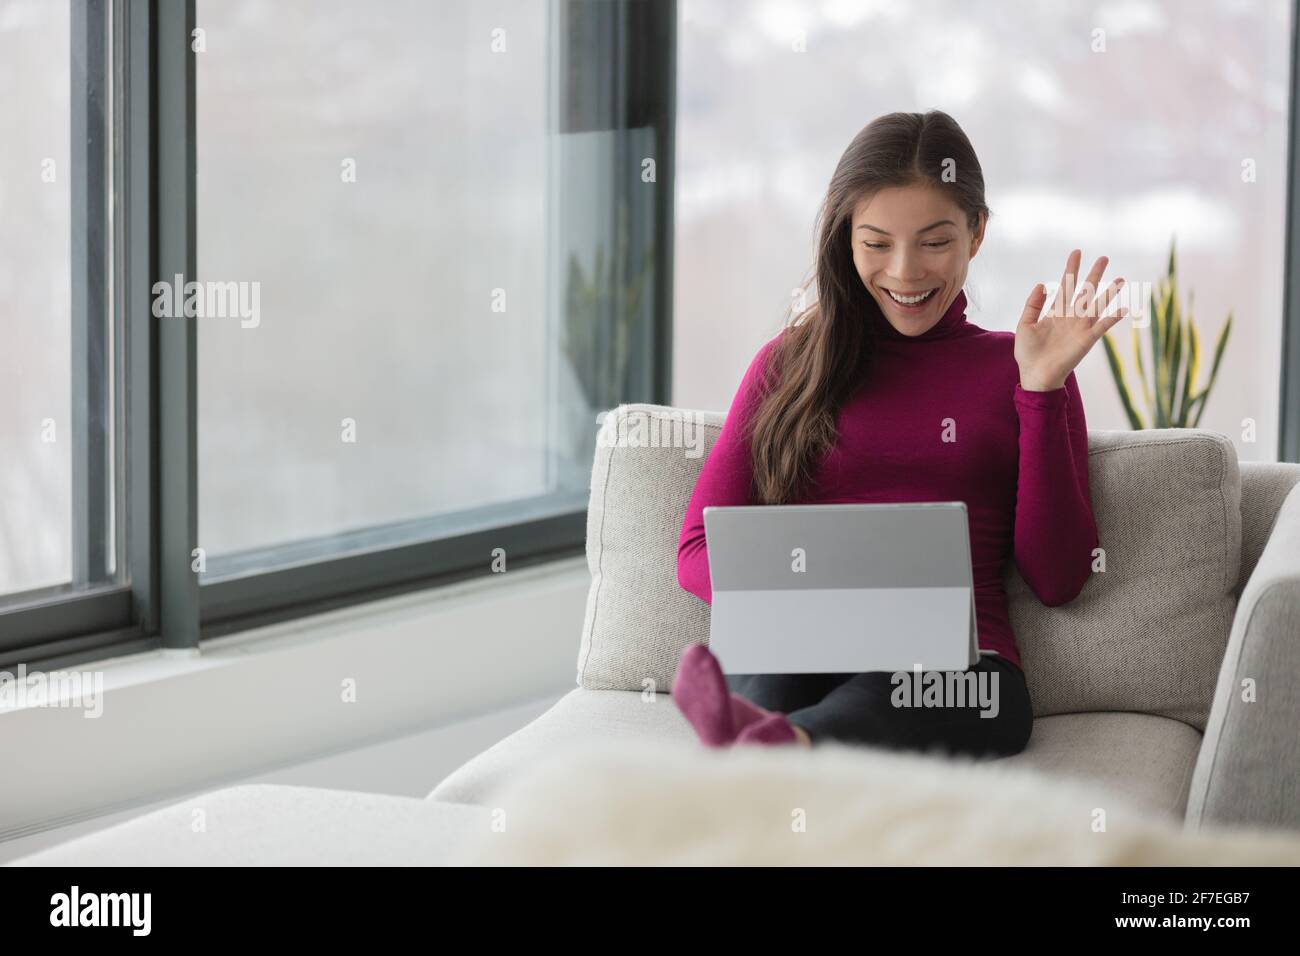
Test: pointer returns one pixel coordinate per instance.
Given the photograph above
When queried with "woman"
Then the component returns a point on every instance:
(882, 391)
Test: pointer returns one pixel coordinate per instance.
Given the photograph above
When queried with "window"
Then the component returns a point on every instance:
(36, 281)
(321, 301)
(62, 533)
(441, 284)
(398, 368)
(307, 302)
(1175, 130)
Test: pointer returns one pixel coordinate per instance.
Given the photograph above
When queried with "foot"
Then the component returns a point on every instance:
(744, 712)
(772, 729)
(701, 693)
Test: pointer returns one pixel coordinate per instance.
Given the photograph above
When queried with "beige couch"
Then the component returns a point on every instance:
(1167, 692)
(1172, 682)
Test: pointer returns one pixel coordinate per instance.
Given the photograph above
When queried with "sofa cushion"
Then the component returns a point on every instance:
(639, 619)
(656, 804)
(1149, 633)
(1146, 636)
(1145, 761)
(580, 715)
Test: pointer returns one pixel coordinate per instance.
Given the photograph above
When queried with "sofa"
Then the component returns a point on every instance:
(1172, 682)
(1167, 695)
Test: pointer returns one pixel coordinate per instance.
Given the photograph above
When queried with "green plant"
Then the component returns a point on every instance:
(1171, 395)
(600, 318)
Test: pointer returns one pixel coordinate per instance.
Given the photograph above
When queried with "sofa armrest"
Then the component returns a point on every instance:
(1248, 769)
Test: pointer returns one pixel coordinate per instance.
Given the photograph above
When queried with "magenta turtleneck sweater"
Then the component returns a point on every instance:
(941, 417)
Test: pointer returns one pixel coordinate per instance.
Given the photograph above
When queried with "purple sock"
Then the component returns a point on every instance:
(745, 712)
(701, 694)
(772, 729)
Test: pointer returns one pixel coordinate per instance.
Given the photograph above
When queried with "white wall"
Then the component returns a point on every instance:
(267, 705)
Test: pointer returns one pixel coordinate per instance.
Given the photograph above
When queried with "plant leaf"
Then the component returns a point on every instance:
(1121, 385)
(1219, 346)
(1141, 369)
(1193, 370)
(1161, 359)
(1175, 328)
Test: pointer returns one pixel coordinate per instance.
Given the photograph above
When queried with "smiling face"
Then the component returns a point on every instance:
(912, 247)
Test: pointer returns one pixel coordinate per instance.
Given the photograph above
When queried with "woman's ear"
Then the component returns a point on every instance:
(977, 238)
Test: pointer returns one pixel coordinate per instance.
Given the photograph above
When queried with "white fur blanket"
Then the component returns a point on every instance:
(659, 803)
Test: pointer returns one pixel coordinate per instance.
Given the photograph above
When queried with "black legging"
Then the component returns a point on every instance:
(859, 709)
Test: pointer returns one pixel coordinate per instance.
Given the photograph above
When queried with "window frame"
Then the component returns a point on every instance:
(1289, 384)
(51, 627)
(165, 605)
(414, 561)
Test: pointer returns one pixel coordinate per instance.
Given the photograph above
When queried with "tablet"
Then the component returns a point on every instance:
(841, 588)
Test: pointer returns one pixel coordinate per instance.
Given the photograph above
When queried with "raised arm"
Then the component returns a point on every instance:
(1055, 532)
(725, 479)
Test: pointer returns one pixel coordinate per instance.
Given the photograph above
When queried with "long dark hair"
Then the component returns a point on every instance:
(825, 352)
